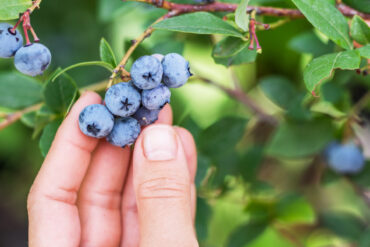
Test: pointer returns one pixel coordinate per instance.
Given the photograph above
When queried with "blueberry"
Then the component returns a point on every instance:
(9, 42)
(345, 158)
(125, 132)
(146, 72)
(96, 121)
(145, 116)
(176, 70)
(32, 59)
(158, 56)
(156, 98)
(123, 99)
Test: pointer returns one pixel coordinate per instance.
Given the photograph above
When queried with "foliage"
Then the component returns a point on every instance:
(260, 182)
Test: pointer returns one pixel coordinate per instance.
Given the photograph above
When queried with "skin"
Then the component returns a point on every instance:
(102, 195)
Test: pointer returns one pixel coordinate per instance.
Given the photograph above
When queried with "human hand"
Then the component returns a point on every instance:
(91, 193)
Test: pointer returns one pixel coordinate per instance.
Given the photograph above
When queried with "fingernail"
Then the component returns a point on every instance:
(159, 143)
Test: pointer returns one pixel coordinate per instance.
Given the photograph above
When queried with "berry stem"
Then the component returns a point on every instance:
(25, 18)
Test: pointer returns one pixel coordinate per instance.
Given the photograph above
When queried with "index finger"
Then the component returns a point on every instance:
(53, 215)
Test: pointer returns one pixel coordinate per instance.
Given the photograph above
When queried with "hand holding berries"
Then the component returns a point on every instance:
(135, 103)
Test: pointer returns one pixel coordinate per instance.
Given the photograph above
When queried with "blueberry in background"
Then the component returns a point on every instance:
(176, 70)
(146, 72)
(145, 116)
(96, 121)
(32, 59)
(345, 158)
(123, 99)
(156, 98)
(125, 132)
(9, 42)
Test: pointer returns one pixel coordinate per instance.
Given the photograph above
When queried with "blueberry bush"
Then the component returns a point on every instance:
(276, 96)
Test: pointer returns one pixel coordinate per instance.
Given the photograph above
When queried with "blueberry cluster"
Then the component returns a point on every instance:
(345, 158)
(130, 105)
(31, 59)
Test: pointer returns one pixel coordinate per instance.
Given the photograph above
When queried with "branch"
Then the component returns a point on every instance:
(15, 116)
(35, 5)
(229, 7)
(240, 96)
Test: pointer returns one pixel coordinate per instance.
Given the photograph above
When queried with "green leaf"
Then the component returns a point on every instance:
(279, 90)
(360, 31)
(10, 9)
(18, 91)
(48, 135)
(29, 119)
(199, 23)
(203, 216)
(60, 93)
(300, 139)
(292, 209)
(245, 234)
(229, 46)
(328, 19)
(106, 65)
(250, 162)
(204, 163)
(241, 16)
(222, 135)
(365, 239)
(308, 42)
(321, 68)
(244, 56)
(106, 53)
(344, 225)
(364, 51)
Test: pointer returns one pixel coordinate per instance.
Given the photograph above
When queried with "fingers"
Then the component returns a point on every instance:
(188, 143)
(162, 185)
(165, 115)
(130, 217)
(130, 234)
(101, 194)
(53, 215)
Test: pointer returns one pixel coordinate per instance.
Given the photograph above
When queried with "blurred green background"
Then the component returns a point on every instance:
(268, 190)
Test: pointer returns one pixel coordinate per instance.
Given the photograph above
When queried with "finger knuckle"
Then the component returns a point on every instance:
(163, 187)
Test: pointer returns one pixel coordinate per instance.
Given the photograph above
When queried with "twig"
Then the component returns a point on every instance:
(229, 7)
(244, 99)
(121, 66)
(12, 117)
(35, 5)
(290, 236)
(15, 116)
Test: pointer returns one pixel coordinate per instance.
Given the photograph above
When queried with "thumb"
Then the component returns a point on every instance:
(162, 186)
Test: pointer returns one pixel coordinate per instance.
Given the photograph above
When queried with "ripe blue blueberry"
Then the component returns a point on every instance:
(9, 42)
(125, 132)
(145, 116)
(123, 99)
(32, 59)
(156, 98)
(176, 70)
(345, 158)
(146, 72)
(96, 121)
